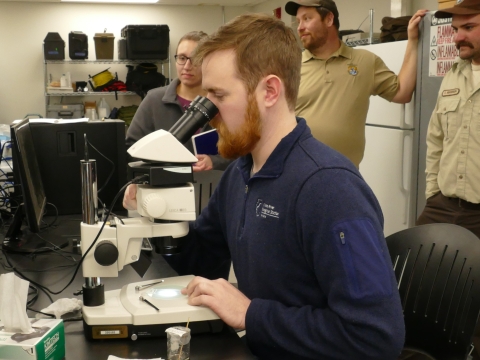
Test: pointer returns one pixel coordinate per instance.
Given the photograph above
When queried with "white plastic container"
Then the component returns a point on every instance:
(103, 109)
(91, 114)
(63, 81)
(178, 343)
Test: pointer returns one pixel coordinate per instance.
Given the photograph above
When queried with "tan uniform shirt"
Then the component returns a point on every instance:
(476, 75)
(453, 137)
(334, 96)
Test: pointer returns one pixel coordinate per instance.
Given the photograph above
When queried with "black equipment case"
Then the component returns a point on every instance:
(77, 45)
(147, 41)
(54, 47)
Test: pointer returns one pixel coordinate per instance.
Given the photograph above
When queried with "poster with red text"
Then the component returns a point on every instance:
(442, 47)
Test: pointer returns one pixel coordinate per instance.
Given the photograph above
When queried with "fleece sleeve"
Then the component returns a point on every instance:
(339, 227)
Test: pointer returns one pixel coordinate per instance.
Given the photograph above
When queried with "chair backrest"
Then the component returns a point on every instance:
(437, 267)
(205, 184)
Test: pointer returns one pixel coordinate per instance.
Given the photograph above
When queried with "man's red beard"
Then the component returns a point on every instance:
(242, 142)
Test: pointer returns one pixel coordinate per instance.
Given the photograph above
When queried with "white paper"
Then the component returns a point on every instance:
(58, 121)
(175, 331)
(61, 307)
(13, 303)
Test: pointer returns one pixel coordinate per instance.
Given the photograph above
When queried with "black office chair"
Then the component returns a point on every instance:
(205, 184)
(437, 267)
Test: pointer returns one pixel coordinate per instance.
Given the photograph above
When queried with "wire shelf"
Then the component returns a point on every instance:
(125, 62)
(360, 42)
(92, 93)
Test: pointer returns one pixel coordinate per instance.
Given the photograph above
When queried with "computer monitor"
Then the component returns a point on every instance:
(61, 146)
(33, 200)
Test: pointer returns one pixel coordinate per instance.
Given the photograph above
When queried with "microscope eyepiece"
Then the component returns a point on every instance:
(200, 111)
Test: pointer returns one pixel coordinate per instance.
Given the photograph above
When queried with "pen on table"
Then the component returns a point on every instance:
(149, 303)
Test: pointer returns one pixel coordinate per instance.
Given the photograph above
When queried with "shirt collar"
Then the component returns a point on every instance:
(343, 51)
(170, 95)
(274, 165)
(460, 64)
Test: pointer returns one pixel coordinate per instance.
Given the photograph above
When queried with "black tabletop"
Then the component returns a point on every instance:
(54, 270)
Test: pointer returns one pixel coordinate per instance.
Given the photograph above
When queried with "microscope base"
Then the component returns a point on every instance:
(126, 315)
(134, 332)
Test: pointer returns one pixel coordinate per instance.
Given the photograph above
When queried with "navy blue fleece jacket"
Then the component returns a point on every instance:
(306, 240)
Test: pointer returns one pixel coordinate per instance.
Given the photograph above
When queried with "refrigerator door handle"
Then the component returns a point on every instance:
(403, 123)
(409, 114)
(407, 145)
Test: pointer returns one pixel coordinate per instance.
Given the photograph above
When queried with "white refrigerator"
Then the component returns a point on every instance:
(394, 160)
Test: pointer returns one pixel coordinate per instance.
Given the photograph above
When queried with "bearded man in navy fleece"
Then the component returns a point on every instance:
(303, 229)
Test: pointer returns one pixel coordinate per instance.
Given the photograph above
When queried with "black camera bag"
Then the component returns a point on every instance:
(144, 77)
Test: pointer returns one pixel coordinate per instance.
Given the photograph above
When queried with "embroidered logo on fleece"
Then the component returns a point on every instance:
(352, 70)
(264, 210)
(451, 92)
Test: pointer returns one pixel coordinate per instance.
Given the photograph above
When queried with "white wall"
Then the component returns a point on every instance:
(352, 13)
(24, 26)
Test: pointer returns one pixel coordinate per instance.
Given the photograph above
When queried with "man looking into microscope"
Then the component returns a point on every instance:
(301, 226)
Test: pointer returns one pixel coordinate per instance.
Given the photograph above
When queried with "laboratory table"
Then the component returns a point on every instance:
(55, 269)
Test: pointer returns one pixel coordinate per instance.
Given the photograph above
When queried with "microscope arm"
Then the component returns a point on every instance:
(120, 243)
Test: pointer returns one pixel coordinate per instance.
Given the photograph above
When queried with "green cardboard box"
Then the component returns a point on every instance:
(46, 343)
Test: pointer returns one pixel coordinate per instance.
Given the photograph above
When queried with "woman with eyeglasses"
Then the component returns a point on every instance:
(163, 106)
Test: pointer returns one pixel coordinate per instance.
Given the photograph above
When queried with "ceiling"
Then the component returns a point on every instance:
(180, 2)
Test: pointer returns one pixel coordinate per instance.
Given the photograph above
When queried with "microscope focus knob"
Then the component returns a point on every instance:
(154, 205)
(106, 253)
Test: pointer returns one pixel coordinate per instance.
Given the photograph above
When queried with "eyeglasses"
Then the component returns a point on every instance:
(181, 59)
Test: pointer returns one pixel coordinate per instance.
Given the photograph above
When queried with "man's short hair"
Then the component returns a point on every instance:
(263, 46)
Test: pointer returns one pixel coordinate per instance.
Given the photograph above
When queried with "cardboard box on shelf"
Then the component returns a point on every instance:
(444, 4)
(104, 46)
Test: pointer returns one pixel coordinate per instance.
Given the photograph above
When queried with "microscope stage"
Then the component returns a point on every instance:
(131, 312)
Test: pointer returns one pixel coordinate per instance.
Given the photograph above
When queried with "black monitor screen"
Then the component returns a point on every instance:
(28, 174)
(61, 146)
(33, 200)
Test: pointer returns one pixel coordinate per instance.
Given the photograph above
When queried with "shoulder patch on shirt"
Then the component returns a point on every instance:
(450, 92)
(352, 70)
(368, 273)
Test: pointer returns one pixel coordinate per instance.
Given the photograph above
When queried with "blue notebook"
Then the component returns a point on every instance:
(205, 143)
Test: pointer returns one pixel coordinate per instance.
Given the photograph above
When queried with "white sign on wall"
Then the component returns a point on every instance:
(442, 47)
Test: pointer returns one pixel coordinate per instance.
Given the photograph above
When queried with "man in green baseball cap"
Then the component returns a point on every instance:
(337, 81)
